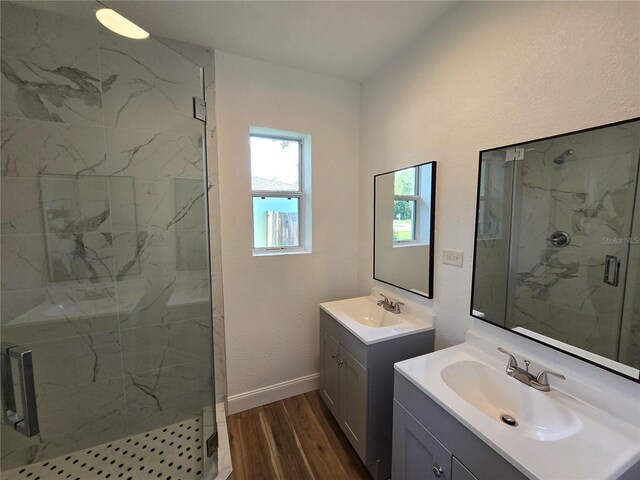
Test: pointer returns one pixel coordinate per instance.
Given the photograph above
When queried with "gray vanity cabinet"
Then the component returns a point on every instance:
(416, 453)
(329, 372)
(344, 389)
(428, 443)
(356, 384)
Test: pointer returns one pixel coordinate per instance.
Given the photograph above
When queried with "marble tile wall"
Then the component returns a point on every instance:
(103, 233)
(205, 57)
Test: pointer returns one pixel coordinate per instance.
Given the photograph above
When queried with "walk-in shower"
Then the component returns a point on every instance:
(106, 322)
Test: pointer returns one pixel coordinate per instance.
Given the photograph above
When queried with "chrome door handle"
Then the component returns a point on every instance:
(437, 470)
(608, 262)
(25, 421)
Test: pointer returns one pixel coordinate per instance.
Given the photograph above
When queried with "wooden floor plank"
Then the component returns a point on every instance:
(293, 439)
(235, 445)
(322, 458)
(257, 459)
(338, 441)
(284, 443)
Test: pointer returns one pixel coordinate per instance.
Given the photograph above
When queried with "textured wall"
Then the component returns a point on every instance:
(490, 74)
(271, 303)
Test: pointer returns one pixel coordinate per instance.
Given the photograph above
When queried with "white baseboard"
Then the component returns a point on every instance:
(272, 393)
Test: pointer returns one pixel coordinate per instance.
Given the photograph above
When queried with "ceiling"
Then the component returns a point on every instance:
(344, 39)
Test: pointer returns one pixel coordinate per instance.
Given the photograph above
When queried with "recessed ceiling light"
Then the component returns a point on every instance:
(120, 25)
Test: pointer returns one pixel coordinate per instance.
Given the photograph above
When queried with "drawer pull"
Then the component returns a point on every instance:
(437, 470)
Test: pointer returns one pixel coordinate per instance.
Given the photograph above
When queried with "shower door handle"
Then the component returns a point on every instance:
(24, 421)
(611, 275)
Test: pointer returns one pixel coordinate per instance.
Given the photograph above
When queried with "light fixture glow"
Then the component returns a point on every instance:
(120, 25)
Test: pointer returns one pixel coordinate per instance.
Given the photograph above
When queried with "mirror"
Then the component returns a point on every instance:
(404, 206)
(557, 245)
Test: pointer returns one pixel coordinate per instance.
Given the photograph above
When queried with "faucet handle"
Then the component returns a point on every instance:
(542, 377)
(384, 301)
(396, 307)
(513, 363)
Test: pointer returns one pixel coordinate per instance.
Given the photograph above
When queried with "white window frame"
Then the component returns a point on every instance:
(415, 198)
(303, 194)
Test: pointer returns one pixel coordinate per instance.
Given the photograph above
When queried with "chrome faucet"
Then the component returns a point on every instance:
(388, 305)
(539, 382)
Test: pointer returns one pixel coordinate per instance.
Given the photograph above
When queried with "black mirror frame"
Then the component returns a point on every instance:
(431, 227)
(475, 245)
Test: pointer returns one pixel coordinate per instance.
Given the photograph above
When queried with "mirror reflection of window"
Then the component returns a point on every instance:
(405, 205)
(403, 229)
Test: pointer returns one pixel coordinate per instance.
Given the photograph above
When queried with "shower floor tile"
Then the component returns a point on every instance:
(174, 452)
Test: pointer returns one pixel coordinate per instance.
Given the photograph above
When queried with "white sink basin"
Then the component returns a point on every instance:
(493, 393)
(371, 315)
(587, 432)
(371, 323)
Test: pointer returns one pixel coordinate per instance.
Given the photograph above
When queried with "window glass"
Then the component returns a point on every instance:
(404, 220)
(405, 182)
(275, 164)
(275, 222)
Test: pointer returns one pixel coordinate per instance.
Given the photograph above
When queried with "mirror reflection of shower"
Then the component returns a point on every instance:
(560, 159)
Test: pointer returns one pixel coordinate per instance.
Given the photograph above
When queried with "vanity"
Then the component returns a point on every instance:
(359, 344)
(459, 415)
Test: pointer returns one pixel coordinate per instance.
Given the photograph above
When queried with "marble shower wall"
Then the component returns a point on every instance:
(206, 58)
(559, 292)
(103, 232)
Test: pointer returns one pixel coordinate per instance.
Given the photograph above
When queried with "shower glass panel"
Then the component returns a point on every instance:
(105, 268)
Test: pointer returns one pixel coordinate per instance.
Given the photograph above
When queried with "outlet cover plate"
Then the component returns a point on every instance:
(452, 257)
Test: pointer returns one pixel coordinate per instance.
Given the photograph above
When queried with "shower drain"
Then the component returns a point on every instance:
(509, 420)
(170, 453)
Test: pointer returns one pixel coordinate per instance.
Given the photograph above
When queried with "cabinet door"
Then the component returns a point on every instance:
(353, 396)
(416, 454)
(460, 472)
(330, 372)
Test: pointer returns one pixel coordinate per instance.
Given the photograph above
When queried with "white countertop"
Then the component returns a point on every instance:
(603, 447)
(407, 323)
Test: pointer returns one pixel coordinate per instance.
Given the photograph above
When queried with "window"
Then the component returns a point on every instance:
(406, 196)
(280, 191)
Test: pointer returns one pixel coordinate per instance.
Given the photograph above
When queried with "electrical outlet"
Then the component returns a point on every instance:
(451, 257)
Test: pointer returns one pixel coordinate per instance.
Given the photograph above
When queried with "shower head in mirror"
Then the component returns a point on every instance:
(560, 159)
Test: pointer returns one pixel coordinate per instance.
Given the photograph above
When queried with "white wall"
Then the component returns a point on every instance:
(489, 74)
(271, 303)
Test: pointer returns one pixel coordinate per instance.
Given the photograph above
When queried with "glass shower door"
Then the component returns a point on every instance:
(105, 276)
(572, 225)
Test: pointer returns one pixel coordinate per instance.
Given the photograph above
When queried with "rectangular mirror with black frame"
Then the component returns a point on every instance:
(404, 206)
(557, 244)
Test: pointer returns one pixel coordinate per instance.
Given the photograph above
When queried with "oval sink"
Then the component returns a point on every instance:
(371, 315)
(495, 394)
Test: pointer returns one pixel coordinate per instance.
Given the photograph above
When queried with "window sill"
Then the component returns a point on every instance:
(265, 252)
(409, 244)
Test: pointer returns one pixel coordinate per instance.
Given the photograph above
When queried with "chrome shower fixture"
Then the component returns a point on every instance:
(560, 159)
